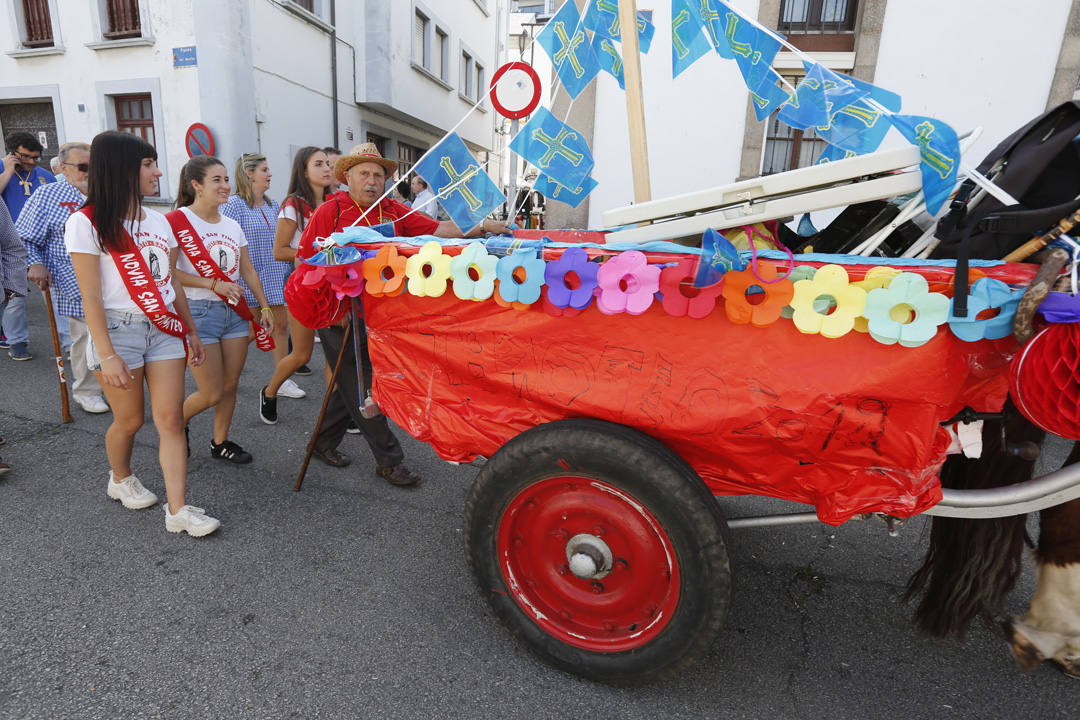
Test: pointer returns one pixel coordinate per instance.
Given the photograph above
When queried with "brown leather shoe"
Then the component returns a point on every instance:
(398, 475)
(332, 457)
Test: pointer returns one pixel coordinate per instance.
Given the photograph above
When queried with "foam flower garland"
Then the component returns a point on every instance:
(559, 293)
(385, 273)
(829, 280)
(739, 309)
(876, 277)
(627, 284)
(676, 302)
(429, 257)
(528, 290)
(911, 290)
(476, 259)
(987, 293)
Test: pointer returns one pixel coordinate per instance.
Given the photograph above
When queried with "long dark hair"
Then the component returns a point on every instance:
(195, 169)
(299, 187)
(114, 192)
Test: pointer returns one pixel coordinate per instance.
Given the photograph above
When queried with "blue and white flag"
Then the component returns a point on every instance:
(688, 40)
(571, 196)
(753, 48)
(861, 126)
(808, 106)
(610, 59)
(557, 149)
(831, 153)
(602, 18)
(939, 155)
(466, 192)
(712, 18)
(568, 45)
(769, 96)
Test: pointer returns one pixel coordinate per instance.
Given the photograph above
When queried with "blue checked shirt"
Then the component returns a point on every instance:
(41, 227)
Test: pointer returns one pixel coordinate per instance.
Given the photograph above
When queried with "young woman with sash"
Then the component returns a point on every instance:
(257, 215)
(311, 176)
(213, 257)
(124, 256)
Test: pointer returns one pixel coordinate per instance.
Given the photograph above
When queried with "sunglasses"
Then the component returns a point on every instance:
(81, 167)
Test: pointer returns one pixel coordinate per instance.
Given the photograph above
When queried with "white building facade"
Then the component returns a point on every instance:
(971, 63)
(265, 76)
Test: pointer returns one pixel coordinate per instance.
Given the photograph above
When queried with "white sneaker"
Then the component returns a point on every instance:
(94, 404)
(290, 389)
(190, 519)
(130, 492)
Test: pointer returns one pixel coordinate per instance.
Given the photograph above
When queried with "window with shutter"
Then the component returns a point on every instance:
(420, 50)
(37, 24)
(124, 21)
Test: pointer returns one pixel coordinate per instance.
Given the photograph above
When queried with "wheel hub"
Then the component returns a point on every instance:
(589, 557)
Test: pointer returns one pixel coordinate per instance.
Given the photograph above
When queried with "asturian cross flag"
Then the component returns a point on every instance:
(861, 126)
(808, 106)
(557, 149)
(466, 192)
(602, 18)
(610, 59)
(565, 40)
(939, 155)
(571, 196)
(754, 49)
(688, 41)
(711, 14)
(769, 95)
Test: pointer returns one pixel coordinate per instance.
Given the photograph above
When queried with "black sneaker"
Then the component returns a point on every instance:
(352, 429)
(230, 451)
(303, 370)
(267, 408)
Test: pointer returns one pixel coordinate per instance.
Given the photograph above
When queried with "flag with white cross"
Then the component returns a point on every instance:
(465, 191)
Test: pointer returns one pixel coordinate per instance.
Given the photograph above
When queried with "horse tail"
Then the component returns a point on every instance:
(971, 565)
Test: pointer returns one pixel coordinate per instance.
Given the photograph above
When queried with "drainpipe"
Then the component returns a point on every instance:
(333, 69)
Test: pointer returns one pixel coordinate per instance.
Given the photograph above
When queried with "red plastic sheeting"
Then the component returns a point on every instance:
(848, 425)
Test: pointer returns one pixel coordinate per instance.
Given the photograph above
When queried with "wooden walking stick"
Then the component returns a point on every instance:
(65, 406)
(1035, 245)
(330, 388)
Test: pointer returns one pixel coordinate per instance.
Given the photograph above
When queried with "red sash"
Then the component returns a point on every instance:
(141, 285)
(192, 246)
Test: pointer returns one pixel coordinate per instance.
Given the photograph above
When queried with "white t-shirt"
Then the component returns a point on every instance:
(288, 211)
(222, 241)
(154, 239)
(425, 202)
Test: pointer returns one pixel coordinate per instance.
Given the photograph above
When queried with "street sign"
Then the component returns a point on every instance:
(184, 56)
(515, 90)
(198, 140)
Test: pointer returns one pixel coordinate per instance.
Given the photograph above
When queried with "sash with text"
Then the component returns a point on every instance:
(192, 246)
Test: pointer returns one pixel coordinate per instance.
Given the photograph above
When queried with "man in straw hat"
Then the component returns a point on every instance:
(365, 171)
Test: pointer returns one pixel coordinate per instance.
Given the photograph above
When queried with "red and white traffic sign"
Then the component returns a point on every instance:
(198, 140)
(515, 90)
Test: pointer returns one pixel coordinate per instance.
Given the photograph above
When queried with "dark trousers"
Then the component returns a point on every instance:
(345, 401)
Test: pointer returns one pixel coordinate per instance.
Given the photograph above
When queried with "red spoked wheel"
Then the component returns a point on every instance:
(601, 550)
(589, 562)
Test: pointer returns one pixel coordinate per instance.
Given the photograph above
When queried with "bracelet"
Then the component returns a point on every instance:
(213, 285)
(265, 310)
(108, 358)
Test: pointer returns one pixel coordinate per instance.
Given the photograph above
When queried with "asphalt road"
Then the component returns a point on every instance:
(352, 599)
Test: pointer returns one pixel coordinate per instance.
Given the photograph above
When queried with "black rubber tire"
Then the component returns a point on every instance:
(657, 478)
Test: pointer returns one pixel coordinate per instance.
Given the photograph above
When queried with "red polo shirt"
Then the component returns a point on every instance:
(339, 212)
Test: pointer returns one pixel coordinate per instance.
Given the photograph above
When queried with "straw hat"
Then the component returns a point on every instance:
(362, 153)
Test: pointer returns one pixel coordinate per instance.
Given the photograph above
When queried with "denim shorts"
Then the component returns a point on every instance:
(136, 340)
(216, 321)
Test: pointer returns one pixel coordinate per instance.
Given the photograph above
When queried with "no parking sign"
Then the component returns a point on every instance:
(198, 140)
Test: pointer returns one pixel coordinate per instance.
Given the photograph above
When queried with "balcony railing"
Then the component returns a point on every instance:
(124, 21)
(38, 23)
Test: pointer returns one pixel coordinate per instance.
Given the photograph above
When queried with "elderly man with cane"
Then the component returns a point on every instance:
(365, 171)
(41, 227)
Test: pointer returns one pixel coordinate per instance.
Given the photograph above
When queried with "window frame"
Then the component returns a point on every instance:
(99, 17)
(814, 35)
(424, 61)
(106, 90)
(472, 74)
(17, 15)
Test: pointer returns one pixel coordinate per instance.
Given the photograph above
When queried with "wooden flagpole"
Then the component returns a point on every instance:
(635, 105)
